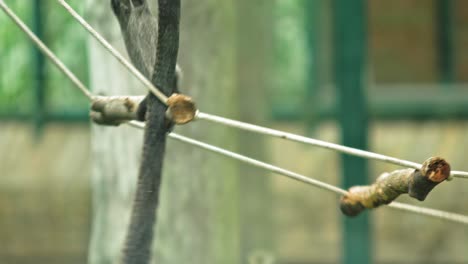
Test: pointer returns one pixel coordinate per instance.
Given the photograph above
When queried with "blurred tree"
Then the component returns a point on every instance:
(254, 70)
(65, 38)
(199, 211)
(15, 93)
(115, 151)
(199, 220)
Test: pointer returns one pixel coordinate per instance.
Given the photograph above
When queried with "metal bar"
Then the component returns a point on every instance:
(72, 117)
(68, 117)
(399, 104)
(349, 46)
(385, 111)
(13, 116)
(312, 29)
(39, 73)
(444, 35)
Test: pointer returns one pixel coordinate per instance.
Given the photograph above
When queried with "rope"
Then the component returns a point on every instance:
(115, 53)
(316, 142)
(45, 50)
(453, 217)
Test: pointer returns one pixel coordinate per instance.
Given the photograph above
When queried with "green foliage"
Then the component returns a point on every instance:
(64, 37)
(15, 61)
(68, 41)
(289, 80)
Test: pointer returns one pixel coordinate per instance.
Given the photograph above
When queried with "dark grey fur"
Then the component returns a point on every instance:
(153, 47)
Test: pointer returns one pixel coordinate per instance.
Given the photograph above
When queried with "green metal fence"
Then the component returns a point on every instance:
(30, 87)
(347, 78)
(416, 60)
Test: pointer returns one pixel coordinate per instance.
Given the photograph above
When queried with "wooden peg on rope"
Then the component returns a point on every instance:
(115, 110)
(417, 183)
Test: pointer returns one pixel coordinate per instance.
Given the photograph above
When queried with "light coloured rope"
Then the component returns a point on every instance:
(253, 162)
(45, 50)
(161, 96)
(453, 217)
(315, 142)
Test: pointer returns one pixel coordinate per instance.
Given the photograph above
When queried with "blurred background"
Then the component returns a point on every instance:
(387, 76)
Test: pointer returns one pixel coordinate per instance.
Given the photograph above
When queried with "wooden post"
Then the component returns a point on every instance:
(199, 220)
(253, 62)
(198, 214)
(115, 150)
